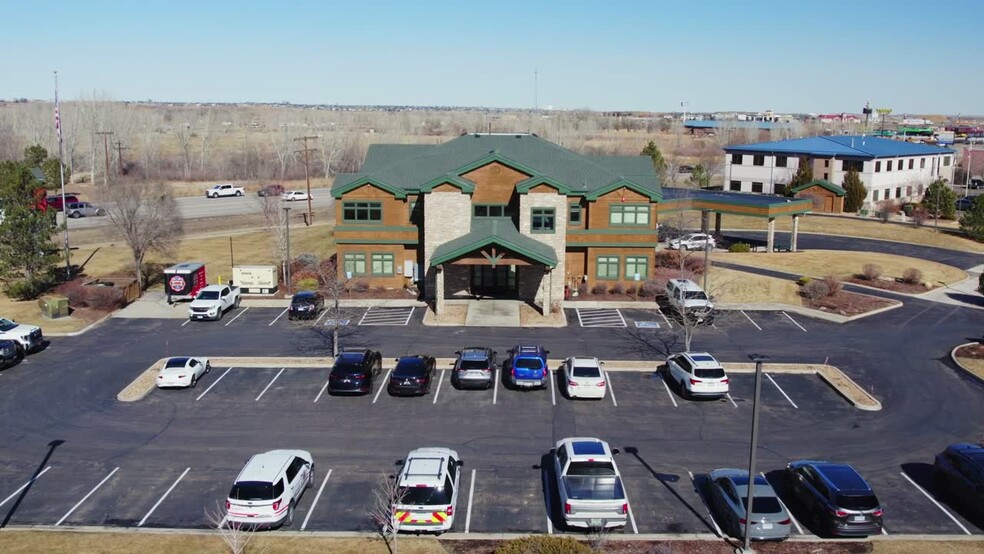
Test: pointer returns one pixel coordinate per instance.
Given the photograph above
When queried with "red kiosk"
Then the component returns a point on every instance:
(184, 280)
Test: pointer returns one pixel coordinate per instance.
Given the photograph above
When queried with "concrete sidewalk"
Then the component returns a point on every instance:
(962, 294)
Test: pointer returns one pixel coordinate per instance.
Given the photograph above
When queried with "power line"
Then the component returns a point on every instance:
(307, 175)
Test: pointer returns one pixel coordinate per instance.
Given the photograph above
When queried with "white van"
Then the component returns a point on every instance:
(688, 299)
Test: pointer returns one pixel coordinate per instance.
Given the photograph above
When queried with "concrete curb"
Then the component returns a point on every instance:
(139, 388)
(953, 356)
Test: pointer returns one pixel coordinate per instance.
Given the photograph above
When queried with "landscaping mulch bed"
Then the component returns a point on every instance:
(972, 351)
(847, 303)
(679, 547)
(591, 297)
(890, 285)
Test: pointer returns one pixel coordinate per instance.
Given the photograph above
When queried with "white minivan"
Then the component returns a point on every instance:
(269, 487)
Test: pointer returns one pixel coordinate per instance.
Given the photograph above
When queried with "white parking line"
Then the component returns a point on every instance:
(278, 317)
(669, 393)
(884, 532)
(495, 387)
(213, 384)
(546, 488)
(631, 516)
(611, 390)
(794, 321)
(323, 314)
(580, 321)
(409, 316)
(161, 499)
(704, 502)
(382, 385)
(25, 485)
(781, 503)
(322, 391)
(314, 504)
(728, 395)
(750, 319)
(439, 383)
(553, 394)
(269, 384)
(782, 391)
(86, 497)
(471, 496)
(187, 321)
(237, 316)
(666, 319)
(933, 500)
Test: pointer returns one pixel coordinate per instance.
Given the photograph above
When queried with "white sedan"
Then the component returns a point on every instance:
(182, 372)
(584, 378)
(292, 195)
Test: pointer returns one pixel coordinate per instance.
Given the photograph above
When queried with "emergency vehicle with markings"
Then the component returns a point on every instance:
(428, 491)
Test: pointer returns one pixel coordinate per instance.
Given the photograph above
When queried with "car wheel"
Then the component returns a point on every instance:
(194, 381)
(683, 247)
(221, 315)
(239, 193)
(236, 303)
(208, 367)
(75, 215)
(310, 482)
(939, 481)
(684, 393)
(290, 515)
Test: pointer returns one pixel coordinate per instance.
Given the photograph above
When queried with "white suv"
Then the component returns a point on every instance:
(428, 488)
(698, 374)
(268, 488)
(693, 241)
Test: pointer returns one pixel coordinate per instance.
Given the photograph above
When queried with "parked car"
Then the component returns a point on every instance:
(182, 371)
(305, 305)
(965, 203)
(355, 371)
(527, 366)
(27, 337)
(977, 183)
(292, 195)
(688, 299)
(697, 374)
(55, 200)
(959, 474)
(271, 190)
(728, 491)
(584, 378)
(474, 368)
(428, 482)
(224, 189)
(412, 375)
(10, 353)
(589, 484)
(693, 241)
(213, 301)
(83, 209)
(268, 488)
(839, 499)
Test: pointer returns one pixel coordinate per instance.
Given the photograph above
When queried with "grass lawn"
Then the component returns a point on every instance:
(844, 264)
(728, 285)
(975, 366)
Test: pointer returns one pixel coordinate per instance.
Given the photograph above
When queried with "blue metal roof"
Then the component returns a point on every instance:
(853, 146)
(715, 124)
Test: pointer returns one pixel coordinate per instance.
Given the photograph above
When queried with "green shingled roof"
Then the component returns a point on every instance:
(836, 189)
(414, 167)
(499, 231)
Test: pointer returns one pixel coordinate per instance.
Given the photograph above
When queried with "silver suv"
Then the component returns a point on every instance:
(693, 241)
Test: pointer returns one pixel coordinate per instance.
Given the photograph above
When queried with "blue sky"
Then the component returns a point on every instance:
(820, 56)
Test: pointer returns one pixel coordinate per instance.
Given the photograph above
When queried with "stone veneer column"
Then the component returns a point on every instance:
(770, 236)
(447, 216)
(795, 234)
(556, 240)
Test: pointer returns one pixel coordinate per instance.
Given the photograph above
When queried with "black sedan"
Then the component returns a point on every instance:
(10, 353)
(306, 305)
(959, 472)
(355, 371)
(412, 375)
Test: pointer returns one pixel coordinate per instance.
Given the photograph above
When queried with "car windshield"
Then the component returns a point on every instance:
(858, 502)
(176, 362)
(695, 295)
(347, 369)
(424, 496)
(528, 363)
(6, 324)
(208, 295)
(709, 372)
(305, 301)
(586, 371)
(591, 468)
(252, 490)
(409, 369)
(763, 504)
(474, 364)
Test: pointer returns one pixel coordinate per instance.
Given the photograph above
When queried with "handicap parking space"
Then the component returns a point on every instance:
(599, 317)
(385, 315)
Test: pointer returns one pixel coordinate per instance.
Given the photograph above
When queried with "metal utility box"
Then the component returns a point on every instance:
(184, 280)
(256, 279)
(53, 306)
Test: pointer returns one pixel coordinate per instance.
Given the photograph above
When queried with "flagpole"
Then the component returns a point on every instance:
(61, 170)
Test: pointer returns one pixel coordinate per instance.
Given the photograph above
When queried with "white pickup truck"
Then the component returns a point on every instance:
(27, 337)
(213, 302)
(224, 189)
(589, 484)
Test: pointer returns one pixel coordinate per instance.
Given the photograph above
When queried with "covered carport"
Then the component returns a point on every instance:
(763, 206)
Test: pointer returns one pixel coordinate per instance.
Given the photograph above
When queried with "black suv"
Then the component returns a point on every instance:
(306, 305)
(412, 375)
(355, 371)
(840, 501)
(475, 367)
(960, 475)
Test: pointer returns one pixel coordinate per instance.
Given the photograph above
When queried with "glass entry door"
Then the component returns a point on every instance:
(491, 281)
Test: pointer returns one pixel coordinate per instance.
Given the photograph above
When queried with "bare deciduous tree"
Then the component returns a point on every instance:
(183, 133)
(146, 217)
(382, 513)
(207, 136)
(236, 536)
(275, 223)
(333, 289)
(330, 146)
(283, 145)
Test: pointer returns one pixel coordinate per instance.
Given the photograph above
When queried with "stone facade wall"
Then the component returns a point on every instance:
(456, 280)
(556, 240)
(447, 216)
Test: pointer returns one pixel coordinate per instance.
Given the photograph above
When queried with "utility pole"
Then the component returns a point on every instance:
(105, 136)
(883, 112)
(61, 172)
(119, 157)
(750, 500)
(287, 265)
(307, 176)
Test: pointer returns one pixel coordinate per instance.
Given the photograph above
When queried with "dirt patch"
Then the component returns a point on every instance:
(453, 315)
(848, 303)
(890, 285)
(531, 317)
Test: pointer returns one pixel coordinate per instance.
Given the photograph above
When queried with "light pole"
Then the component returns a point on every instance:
(287, 265)
(758, 359)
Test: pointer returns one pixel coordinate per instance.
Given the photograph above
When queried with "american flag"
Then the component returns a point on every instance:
(58, 122)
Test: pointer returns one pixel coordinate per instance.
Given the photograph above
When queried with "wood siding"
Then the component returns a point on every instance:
(495, 183)
(823, 199)
(596, 213)
(394, 281)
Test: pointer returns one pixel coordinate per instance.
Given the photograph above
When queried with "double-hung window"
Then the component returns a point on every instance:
(362, 212)
(636, 265)
(354, 263)
(629, 214)
(543, 220)
(382, 264)
(607, 267)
